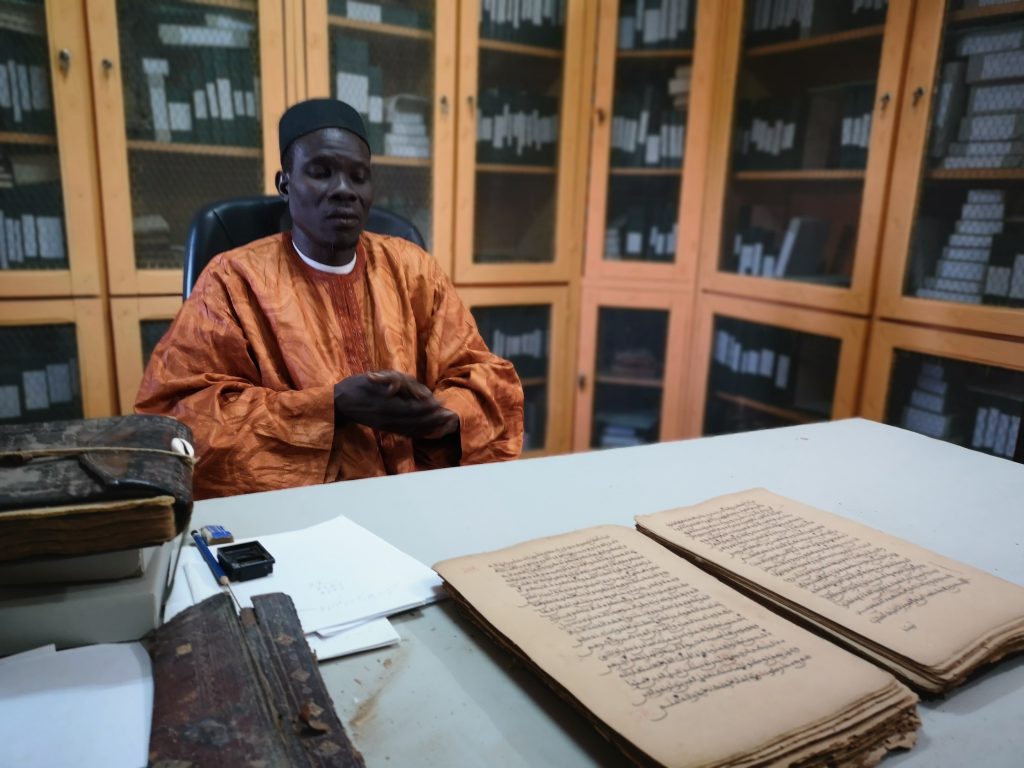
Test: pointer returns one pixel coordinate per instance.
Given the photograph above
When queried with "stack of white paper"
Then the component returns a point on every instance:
(343, 580)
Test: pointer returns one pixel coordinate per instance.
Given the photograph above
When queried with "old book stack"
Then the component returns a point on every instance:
(684, 646)
(997, 420)
(979, 115)
(89, 512)
(656, 24)
(39, 376)
(516, 127)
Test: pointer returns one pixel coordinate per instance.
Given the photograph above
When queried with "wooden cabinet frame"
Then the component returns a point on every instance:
(79, 175)
(851, 332)
(126, 315)
(915, 121)
(887, 337)
(105, 62)
(316, 64)
(559, 415)
(567, 245)
(597, 295)
(858, 297)
(91, 337)
(699, 136)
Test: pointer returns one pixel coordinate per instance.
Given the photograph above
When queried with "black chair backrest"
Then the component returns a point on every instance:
(219, 227)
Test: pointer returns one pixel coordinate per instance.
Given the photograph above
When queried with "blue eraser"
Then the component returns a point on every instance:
(216, 534)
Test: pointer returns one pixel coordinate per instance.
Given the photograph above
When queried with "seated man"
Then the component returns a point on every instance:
(329, 353)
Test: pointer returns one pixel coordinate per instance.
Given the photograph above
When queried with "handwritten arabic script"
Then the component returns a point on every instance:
(669, 641)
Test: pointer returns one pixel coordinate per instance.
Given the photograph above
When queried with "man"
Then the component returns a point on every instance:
(329, 353)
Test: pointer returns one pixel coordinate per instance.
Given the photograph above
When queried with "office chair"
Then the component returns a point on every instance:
(228, 224)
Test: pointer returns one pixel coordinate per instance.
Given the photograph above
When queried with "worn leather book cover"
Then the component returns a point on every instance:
(93, 485)
(242, 690)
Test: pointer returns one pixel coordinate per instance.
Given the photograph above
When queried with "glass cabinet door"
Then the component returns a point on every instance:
(518, 114)
(967, 390)
(811, 136)
(645, 63)
(54, 361)
(191, 103)
(528, 327)
(383, 59)
(632, 356)
(764, 365)
(138, 324)
(36, 253)
(958, 202)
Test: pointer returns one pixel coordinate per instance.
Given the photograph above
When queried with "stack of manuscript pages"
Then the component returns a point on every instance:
(674, 666)
(930, 620)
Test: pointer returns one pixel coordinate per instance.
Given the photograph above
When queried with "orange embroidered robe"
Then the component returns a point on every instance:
(251, 361)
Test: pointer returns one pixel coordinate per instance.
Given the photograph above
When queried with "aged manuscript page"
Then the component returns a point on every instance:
(902, 597)
(683, 667)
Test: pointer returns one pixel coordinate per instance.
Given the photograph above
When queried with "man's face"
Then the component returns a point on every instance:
(328, 187)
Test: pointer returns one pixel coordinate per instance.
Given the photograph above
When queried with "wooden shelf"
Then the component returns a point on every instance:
(819, 41)
(534, 381)
(624, 171)
(977, 174)
(513, 168)
(657, 53)
(837, 174)
(520, 49)
(988, 12)
(237, 5)
(627, 381)
(38, 139)
(783, 413)
(193, 149)
(395, 30)
(404, 162)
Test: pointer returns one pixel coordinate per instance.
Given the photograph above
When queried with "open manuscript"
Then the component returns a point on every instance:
(672, 665)
(929, 619)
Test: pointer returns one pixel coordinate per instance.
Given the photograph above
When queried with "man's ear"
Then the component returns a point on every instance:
(281, 182)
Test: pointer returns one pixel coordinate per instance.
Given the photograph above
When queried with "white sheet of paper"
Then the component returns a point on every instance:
(90, 706)
(375, 633)
(338, 573)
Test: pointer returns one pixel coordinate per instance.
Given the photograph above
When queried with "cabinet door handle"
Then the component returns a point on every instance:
(64, 57)
(600, 115)
(470, 101)
(581, 381)
(444, 105)
(107, 65)
(883, 102)
(916, 96)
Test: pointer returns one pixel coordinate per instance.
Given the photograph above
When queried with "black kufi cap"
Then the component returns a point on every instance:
(308, 116)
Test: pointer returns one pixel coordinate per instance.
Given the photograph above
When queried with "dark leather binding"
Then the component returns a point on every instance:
(30, 481)
(242, 691)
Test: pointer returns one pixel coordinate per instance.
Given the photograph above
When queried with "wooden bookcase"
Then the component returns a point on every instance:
(931, 192)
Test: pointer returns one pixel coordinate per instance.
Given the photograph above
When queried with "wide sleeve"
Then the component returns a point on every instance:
(206, 372)
(482, 388)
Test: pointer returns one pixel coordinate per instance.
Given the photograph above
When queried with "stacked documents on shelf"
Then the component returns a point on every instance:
(31, 211)
(343, 580)
(656, 23)
(646, 230)
(978, 120)
(198, 76)
(774, 21)
(406, 119)
(934, 409)
(997, 420)
(983, 258)
(516, 127)
(25, 103)
(392, 12)
(533, 22)
(648, 128)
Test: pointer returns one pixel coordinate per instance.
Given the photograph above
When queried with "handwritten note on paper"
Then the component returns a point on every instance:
(668, 641)
(845, 570)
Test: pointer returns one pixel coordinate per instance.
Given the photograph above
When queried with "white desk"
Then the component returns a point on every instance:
(448, 697)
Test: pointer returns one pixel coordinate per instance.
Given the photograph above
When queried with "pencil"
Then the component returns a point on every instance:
(218, 572)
